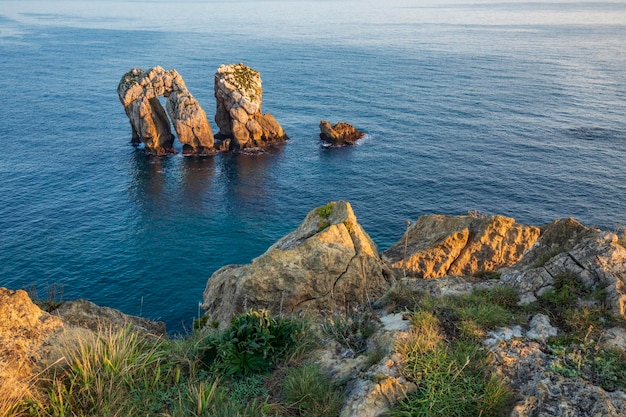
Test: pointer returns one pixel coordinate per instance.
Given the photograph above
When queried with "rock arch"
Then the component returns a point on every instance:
(139, 91)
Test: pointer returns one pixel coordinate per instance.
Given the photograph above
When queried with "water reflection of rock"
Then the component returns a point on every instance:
(171, 185)
(197, 180)
(249, 180)
(149, 185)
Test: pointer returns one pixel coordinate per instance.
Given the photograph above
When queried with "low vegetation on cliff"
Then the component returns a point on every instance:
(542, 335)
(264, 366)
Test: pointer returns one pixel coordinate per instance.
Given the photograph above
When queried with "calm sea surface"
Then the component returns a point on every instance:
(503, 107)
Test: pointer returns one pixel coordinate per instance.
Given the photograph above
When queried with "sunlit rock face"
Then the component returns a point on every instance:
(239, 100)
(24, 327)
(138, 92)
(438, 245)
(340, 134)
(329, 263)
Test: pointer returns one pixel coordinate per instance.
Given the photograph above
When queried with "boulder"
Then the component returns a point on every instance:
(439, 245)
(340, 134)
(328, 263)
(138, 92)
(239, 100)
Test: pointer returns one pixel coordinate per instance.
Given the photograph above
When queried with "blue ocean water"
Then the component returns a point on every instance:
(502, 107)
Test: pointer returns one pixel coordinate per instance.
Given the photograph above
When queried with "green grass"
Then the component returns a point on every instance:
(311, 392)
(470, 316)
(125, 373)
(444, 357)
(577, 351)
(453, 379)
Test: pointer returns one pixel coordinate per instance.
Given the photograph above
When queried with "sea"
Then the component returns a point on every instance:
(502, 107)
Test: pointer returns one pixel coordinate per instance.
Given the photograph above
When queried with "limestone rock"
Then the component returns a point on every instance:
(540, 328)
(541, 392)
(371, 389)
(85, 314)
(438, 245)
(24, 327)
(328, 263)
(239, 99)
(138, 92)
(340, 134)
(559, 236)
(597, 261)
(614, 338)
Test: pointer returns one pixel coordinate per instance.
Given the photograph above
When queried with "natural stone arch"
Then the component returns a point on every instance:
(139, 90)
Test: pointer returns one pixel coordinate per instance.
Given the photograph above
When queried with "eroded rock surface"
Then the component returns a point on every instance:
(439, 245)
(340, 134)
(239, 99)
(542, 392)
(596, 260)
(328, 263)
(24, 328)
(375, 389)
(138, 92)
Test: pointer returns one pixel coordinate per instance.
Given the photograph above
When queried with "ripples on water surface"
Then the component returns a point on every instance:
(510, 108)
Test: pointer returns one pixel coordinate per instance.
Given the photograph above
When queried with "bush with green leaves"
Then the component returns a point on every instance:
(253, 343)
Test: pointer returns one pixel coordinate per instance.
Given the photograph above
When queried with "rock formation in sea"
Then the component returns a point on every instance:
(328, 263)
(239, 100)
(340, 134)
(439, 245)
(139, 93)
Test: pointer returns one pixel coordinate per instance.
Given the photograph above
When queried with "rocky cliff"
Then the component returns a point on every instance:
(328, 263)
(239, 98)
(559, 346)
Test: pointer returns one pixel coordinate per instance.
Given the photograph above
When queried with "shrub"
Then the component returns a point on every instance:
(324, 213)
(326, 210)
(311, 392)
(253, 343)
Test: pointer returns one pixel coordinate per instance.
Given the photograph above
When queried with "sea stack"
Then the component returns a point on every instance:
(239, 100)
(340, 134)
(138, 92)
